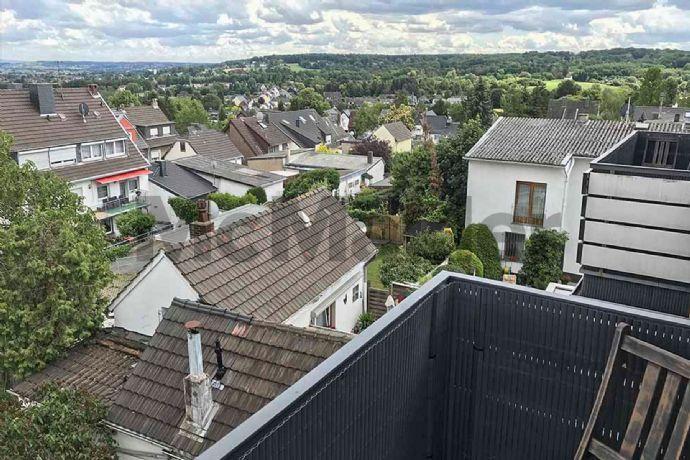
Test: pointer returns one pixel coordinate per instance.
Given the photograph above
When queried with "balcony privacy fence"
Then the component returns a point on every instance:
(464, 368)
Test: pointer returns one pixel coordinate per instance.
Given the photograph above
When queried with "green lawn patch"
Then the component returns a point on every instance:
(374, 267)
(551, 85)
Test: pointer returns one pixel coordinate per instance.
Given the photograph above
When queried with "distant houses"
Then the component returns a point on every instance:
(398, 136)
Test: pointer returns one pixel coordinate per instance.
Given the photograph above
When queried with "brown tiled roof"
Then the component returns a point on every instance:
(270, 265)
(252, 146)
(270, 133)
(547, 141)
(145, 115)
(161, 141)
(108, 166)
(212, 144)
(262, 359)
(398, 130)
(99, 366)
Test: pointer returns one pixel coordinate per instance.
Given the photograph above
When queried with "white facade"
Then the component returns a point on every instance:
(158, 205)
(273, 191)
(180, 149)
(491, 189)
(140, 305)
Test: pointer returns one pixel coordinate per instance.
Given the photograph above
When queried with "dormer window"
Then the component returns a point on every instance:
(661, 153)
(92, 151)
(166, 130)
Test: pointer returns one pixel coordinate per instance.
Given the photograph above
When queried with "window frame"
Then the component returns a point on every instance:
(107, 192)
(356, 293)
(329, 311)
(656, 154)
(531, 218)
(163, 128)
(519, 251)
(91, 157)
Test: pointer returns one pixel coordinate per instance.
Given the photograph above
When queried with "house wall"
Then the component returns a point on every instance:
(273, 191)
(491, 197)
(346, 312)
(138, 307)
(266, 163)
(175, 152)
(159, 207)
(89, 190)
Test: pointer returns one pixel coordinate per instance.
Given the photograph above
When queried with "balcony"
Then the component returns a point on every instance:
(115, 205)
(463, 368)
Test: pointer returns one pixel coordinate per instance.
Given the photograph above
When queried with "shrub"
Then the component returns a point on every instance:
(364, 320)
(225, 201)
(403, 267)
(478, 239)
(365, 204)
(117, 252)
(543, 258)
(135, 223)
(433, 246)
(311, 180)
(259, 194)
(184, 208)
(465, 261)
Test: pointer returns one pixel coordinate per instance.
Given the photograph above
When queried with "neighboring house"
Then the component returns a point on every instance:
(526, 173)
(99, 365)
(170, 180)
(634, 239)
(396, 134)
(212, 144)
(656, 114)
(565, 108)
(306, 128)
(92, 152)
(204, 372)
(236, 179)
(154, 127)
(355, 170)
(254, 138)
(302, 262)
(438, 127)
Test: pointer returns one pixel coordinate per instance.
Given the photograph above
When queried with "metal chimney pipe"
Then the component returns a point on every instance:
(370, 157)
(196, 358)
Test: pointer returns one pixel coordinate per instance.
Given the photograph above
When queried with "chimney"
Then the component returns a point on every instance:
(154, 103)
(297, 122)
(370, 157)
(203, 223)
(93, 89)
(41, 95)
(198, 398)
(163, 168)
(582, 117)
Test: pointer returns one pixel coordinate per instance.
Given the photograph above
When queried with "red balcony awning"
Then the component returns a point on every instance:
(123, 176)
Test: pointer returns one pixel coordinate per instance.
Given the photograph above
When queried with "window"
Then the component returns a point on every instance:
(356, 295)
(676, 118)
(114, 148)
(91, 151)
(661, 153)
(153, 132)
(102, 192)
(61, 156)
(38, 157)
(513, 246)
(108, 225)
(166, 130)
(155, 154)
(325, 318)
(530, 199)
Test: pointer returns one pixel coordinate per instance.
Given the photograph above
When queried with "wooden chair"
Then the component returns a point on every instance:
(677, 371)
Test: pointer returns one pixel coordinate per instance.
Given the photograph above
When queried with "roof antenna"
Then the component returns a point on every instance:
(220, 371)
(627, 111)
(83, 110)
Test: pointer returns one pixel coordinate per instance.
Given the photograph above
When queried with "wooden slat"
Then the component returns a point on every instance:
(639, 415)
(661, 418)
(657, 355)
(680, 432)
(621, 328)
(604, 452)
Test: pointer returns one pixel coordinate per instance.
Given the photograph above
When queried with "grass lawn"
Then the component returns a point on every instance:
(295, 67)
(374, 267)
(553, 84)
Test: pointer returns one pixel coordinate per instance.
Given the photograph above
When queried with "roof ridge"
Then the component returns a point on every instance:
(209, 309)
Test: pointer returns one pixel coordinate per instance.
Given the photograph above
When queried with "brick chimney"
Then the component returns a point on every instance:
(203, 223)
(198, 397)
(93, 89)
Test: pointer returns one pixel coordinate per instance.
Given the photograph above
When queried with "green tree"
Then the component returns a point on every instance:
(538, 101)
(450, 152)
(514, 101)
(54, 265)
(567, 88)
(259, 194)
(403, 267)
(611, 103)
(226, 201)
(308, 98)
(65, 424)
(380, 149)
(367, 118)
(411, 173)
(478, 239)
(402, 113)
(184, 208)
(186, 111)
(312, 180)
(211, 101)
(433, 246)
(543, 258)
(135, 223)
(479, 104)
(123, 98)
(465, 261)
(440, 107)
(651, 88)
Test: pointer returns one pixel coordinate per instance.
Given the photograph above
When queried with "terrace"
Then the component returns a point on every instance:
(463, 368)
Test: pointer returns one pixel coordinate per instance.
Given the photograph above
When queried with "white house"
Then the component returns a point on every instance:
(526, 173)
(301, 262)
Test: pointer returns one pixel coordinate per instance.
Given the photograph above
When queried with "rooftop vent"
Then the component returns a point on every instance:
(305, 218)
(41, 95)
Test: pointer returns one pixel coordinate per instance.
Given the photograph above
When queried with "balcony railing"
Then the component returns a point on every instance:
(119, 204)
(463, 368)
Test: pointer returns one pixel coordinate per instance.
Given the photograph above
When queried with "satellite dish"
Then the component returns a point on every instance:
(83, 109)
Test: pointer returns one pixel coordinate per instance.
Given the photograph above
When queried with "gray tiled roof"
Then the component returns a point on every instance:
(212, 144)
(439, 125)
(649, 113)
(547, 141)
(145, 115)
(270, 265)
(398, 130)
(230, 171)
(99, 366)
(568, 108)
(312, 130)
(262, 359)
(180, 181)
(311, 159)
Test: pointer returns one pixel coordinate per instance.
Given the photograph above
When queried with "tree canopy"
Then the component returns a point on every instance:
(123, 98)
(185, 111)
(308, 98)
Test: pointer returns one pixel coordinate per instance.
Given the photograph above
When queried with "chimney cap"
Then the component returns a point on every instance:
(192, 325)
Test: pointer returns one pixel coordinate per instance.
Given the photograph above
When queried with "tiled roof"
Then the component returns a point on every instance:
(106, 167)
(161, 141)
(439, 124)
(547, 141)
(568, 108)
(398, 130)
(271, 265)
(251, 145)
(230, 171)
(342, 162)
(269, 133)
(312, 129)
(145, 115)
(262, 359)
(212, 144)
(99, 366)
(180, 181)
(649, 113)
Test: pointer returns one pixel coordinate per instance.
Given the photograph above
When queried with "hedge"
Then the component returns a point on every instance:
(433, 246)
(542, 261)
(259, 194)
(135, 223)
(403, 267)
(478, 239)
(465, 261)
(184, 208)
(225, 201)
(311, 180)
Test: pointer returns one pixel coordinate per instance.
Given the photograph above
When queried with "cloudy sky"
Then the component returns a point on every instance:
(214, 30)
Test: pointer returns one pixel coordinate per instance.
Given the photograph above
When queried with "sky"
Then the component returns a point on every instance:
(215, 30)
